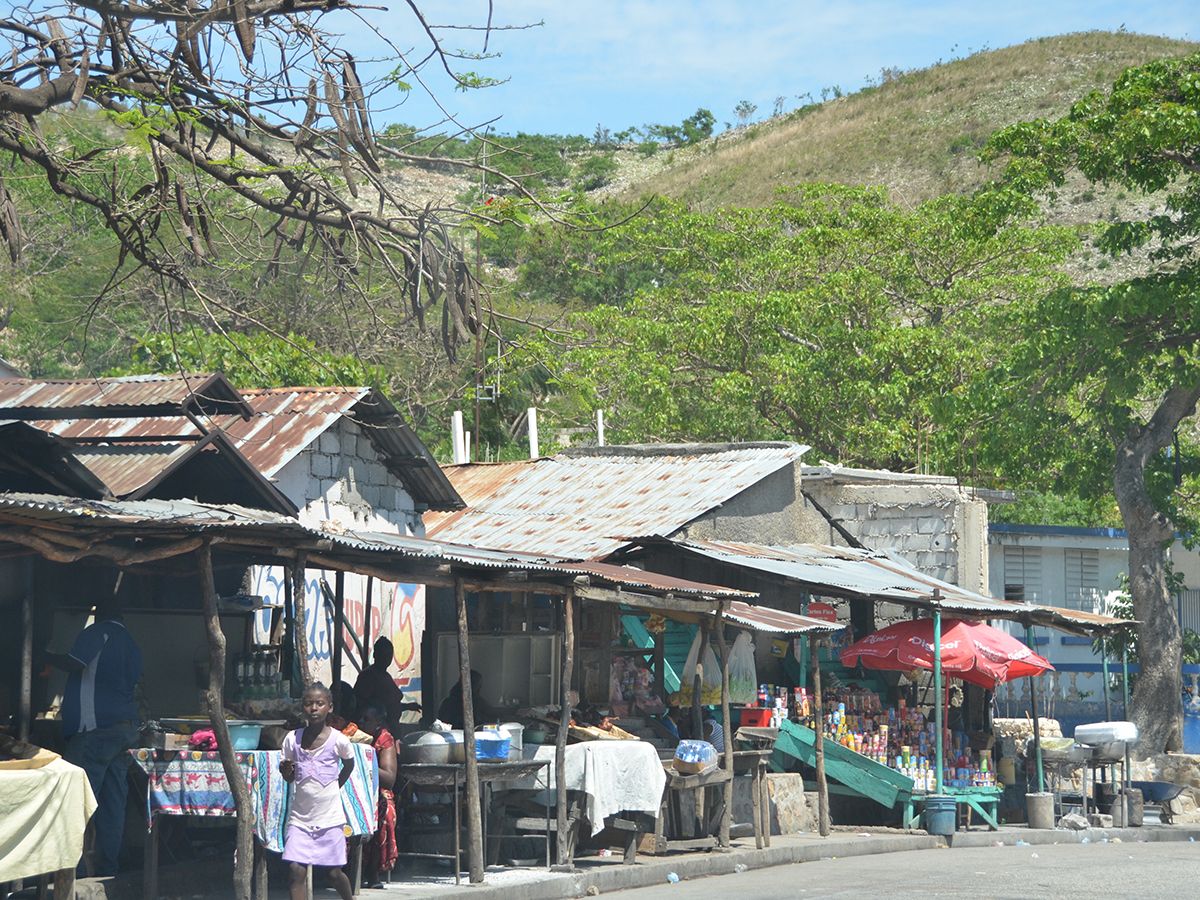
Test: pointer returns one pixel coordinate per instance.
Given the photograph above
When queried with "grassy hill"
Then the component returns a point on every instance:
(917, 133)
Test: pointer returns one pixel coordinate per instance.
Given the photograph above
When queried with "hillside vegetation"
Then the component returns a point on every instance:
(916, 134)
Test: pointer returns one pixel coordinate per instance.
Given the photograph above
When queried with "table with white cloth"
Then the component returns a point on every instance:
(44, 813)
(615, 784)
(613, 776)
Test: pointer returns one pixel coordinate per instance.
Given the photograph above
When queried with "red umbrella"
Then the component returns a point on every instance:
(971, 651)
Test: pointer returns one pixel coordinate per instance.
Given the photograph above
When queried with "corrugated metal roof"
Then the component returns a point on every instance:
(282, 423)
(776, 621)
(581, 504)
(174, 518)
(198, 391)
(849, 572)
(126, 468)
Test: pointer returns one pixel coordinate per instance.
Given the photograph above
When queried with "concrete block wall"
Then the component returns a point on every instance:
(940, 528)
(341, 480)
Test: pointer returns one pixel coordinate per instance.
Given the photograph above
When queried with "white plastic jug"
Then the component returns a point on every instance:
(516, 734)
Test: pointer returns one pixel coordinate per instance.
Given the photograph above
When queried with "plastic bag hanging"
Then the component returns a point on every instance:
(743, 674)
(710, 676)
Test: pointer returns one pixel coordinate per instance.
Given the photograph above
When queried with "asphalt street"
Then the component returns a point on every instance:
(1170, 869)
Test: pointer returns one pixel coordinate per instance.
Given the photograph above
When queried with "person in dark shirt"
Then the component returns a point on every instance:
(100, 720)
(377, 687)
(451, 710)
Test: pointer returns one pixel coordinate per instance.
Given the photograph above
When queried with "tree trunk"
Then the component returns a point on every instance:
(1157, 706)
(215, 697)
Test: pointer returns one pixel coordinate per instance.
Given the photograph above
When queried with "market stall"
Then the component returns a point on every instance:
(178, 554)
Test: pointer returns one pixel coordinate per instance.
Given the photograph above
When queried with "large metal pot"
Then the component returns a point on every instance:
(438, 747)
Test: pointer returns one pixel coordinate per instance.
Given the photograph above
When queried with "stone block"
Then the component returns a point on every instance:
(329, 443)
(322, 465)
(1100, 820)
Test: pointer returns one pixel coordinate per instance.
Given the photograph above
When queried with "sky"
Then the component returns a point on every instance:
(632, 62)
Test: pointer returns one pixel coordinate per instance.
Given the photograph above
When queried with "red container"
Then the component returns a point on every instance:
(755, 717)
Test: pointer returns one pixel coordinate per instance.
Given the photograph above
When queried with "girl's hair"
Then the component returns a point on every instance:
(319, 686)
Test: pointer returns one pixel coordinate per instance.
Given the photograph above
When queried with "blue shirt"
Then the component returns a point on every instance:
(102, 694)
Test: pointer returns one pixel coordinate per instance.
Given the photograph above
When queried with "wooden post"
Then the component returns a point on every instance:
(698, 684)
(244, 864)
(727, 725)
(563, 841)
(300, 616)
(338, 636)
(368, 638)
(819, 744)
(474, 821)
(1037, 728)
(25, 721)
(938, 697)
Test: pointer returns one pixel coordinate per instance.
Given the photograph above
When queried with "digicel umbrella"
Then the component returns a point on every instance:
(972, 651)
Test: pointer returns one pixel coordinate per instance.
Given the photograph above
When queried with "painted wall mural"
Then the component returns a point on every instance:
(397, 612)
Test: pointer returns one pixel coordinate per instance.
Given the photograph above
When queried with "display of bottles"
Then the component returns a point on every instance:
(257, 676)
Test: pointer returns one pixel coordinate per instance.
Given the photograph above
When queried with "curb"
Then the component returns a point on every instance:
(647, 874)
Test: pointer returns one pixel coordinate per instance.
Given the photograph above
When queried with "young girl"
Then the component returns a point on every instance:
(319, 760)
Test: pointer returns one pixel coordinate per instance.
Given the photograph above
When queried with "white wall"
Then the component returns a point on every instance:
(340, 483)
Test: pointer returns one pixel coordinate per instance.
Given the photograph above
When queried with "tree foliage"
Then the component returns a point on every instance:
(1098, 380)
(833, 317)
(255, 102)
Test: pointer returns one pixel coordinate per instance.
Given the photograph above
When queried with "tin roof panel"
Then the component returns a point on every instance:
(581, 504)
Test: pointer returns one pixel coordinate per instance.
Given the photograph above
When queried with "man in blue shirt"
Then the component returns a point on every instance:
(100, 720)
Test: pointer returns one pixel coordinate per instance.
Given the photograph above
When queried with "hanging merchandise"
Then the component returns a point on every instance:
(710, 676)
(743, 676)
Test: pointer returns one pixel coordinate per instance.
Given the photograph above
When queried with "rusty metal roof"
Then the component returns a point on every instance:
(776, 621)
(24, 398)
(850, 573)
(580, 504)
(172, 519)
(280, 424)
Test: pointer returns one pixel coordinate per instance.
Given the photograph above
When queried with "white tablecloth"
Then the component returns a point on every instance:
(614, 776)
(43, 814)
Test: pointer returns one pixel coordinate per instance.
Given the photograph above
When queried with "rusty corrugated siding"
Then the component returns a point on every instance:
(172, 518)
(125, 391)
(850, 572)
(283, 423)
(580, 505)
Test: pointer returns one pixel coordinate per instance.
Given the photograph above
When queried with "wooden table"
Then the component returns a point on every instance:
(453, 776)
(983, 800)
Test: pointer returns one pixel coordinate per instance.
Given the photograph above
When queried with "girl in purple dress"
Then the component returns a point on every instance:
(318, 760)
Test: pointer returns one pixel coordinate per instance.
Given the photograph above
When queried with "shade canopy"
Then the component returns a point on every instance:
(972, 651)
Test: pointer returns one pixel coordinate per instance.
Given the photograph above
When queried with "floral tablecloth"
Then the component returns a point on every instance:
(193, 783)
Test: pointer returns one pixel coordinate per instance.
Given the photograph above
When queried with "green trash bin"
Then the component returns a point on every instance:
(941, 815)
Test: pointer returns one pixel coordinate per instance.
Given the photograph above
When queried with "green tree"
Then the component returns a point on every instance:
(249, 360)
(834, 317)
(1098, 381)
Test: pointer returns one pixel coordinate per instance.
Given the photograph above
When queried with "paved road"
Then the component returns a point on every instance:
(1170, 870)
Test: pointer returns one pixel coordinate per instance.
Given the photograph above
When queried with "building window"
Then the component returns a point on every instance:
(1022, 573)
(1083, 579)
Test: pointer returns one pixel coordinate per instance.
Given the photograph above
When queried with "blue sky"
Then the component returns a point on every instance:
(629, 62)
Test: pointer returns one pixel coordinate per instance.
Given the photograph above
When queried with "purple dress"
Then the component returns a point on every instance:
(316, 823)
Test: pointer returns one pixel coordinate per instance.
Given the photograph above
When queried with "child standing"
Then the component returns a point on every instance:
(318, 760)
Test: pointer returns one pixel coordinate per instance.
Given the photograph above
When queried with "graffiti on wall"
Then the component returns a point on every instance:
(397, 612)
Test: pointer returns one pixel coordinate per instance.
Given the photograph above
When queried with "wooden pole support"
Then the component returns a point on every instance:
(819, 745)
(698, 683)
(244, 864)
(339, 633)
(727, 725)
(563, 842)
(474, 819)
(300, 617)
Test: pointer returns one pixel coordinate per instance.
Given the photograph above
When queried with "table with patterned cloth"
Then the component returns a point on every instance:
(193, 783)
